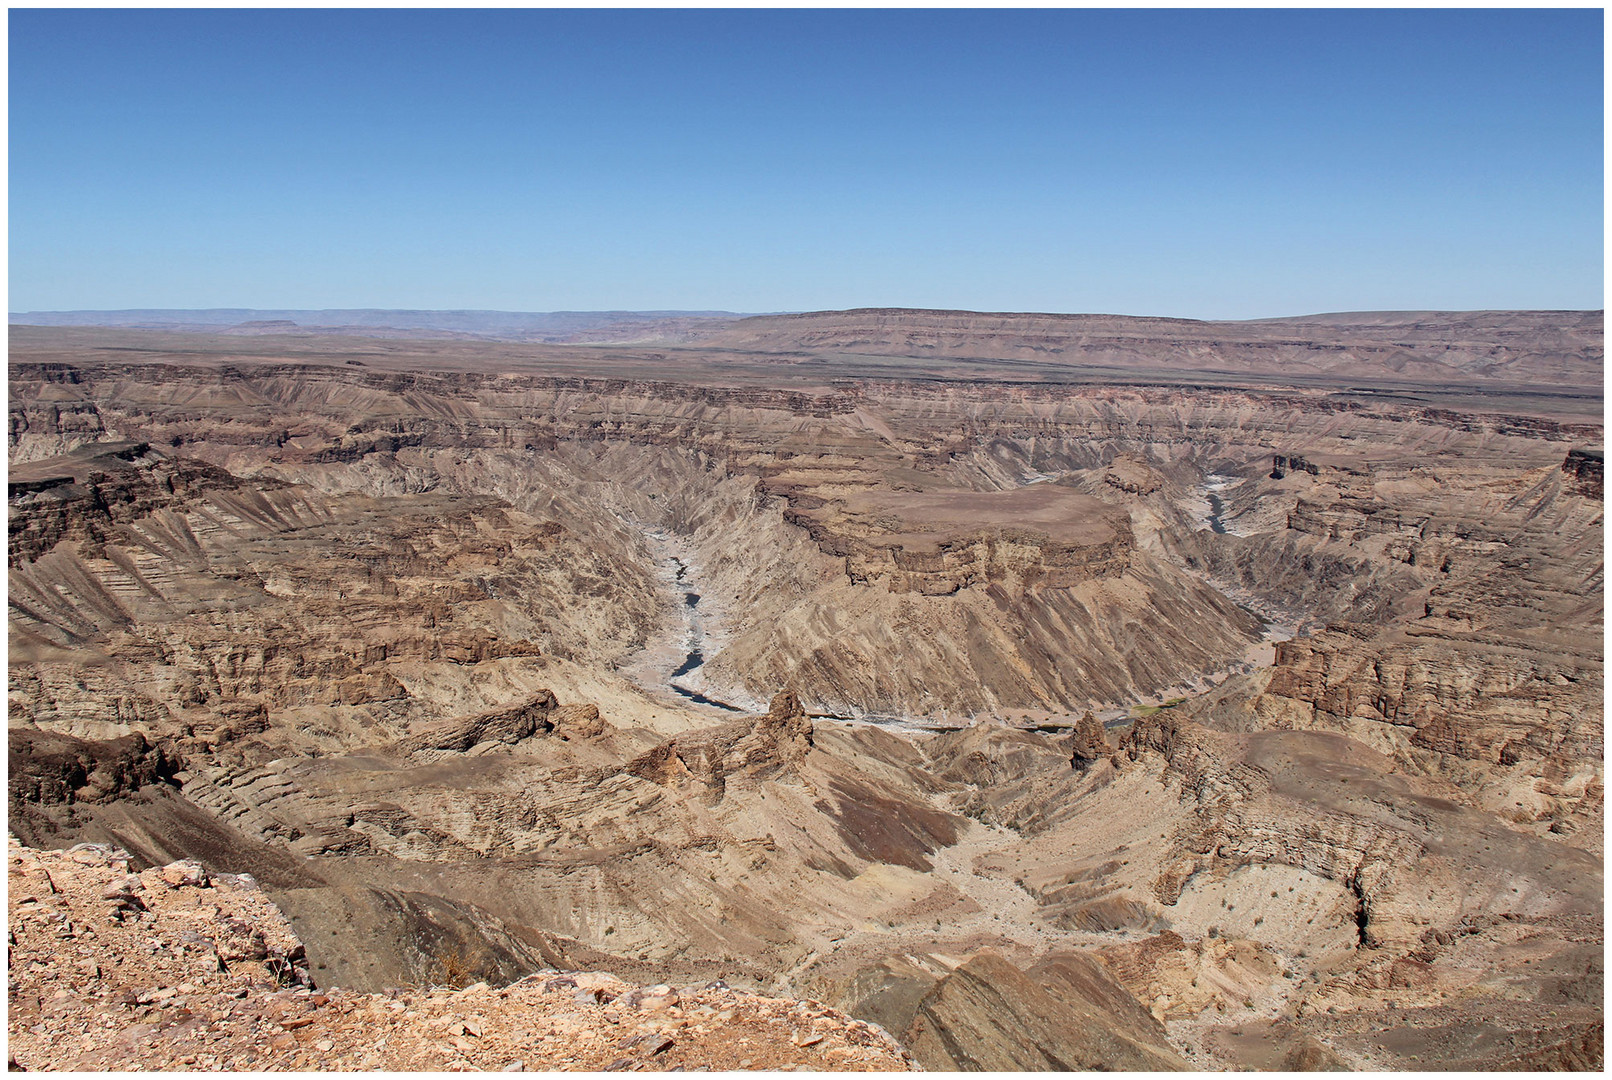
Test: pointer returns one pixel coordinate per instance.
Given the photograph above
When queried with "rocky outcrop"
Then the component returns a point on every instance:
(154, 959)
(507, 725)
(988, 755)
(1129, 474)
(757, 747)
(578, 721)
(1586, 469)
(977, 560)
(47, 767)
(1088, 743)
(1282, 464)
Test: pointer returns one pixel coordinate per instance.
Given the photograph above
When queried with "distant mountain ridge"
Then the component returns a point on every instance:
(418, 318)
(1557, 348)
(536, 326)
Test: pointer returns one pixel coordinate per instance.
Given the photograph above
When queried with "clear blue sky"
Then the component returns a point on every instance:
(1195, 163)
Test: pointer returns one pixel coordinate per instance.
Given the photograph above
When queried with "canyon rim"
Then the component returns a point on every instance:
(994, 691)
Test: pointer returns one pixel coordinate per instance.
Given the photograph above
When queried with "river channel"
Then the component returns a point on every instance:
(1211, 508)
(674, 661)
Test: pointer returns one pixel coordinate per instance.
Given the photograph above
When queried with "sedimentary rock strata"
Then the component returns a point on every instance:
(1249, 723)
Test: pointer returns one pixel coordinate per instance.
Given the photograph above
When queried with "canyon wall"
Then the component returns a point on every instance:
(376, 637)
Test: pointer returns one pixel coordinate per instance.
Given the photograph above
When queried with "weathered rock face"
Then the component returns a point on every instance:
(753, 749)
(1089, 743)
(47, 767)
(1586, 469)
(989, 754)
(371, 625)
(85, 495)
(1282, 464)
(1493, 677)
(333, 616)
(507, 725)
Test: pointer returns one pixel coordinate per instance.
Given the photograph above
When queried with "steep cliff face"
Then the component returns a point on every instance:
(1493, 678)
(201, 592)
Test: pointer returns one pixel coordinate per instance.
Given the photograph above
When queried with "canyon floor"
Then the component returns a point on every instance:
(1044, 692)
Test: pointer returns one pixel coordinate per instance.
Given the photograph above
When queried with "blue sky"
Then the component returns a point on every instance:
(1209, 164)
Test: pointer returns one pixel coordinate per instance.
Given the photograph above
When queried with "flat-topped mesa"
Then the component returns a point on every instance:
(755, 747)
(987, 556)
(1539, 346)
(937, 542)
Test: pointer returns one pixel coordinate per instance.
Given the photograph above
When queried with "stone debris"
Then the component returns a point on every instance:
(202, 973)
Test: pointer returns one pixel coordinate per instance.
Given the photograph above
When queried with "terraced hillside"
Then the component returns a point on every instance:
(1238, 717)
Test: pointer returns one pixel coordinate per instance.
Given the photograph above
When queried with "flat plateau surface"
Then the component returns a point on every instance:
(1569, 389)
(928, 517)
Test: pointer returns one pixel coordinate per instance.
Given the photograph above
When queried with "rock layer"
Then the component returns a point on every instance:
(363, 631)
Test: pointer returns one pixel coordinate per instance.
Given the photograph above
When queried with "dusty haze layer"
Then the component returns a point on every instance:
(1228, 695)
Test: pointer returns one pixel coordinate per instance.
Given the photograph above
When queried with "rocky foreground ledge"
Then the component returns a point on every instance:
(174, 969)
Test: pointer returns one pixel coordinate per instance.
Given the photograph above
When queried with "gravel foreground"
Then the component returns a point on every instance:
(174, 969)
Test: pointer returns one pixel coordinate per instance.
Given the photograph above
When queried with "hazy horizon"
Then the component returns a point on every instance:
(224, 313)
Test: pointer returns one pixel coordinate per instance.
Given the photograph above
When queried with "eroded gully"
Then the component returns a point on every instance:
(674, 661)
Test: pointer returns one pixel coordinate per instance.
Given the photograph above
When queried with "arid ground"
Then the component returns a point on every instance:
(1052, 692)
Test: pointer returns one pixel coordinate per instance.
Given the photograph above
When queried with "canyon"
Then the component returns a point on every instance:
(1050, 692)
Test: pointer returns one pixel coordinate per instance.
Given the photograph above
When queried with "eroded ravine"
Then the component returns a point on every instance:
(673, 660)
(696, 629)
(698, 850)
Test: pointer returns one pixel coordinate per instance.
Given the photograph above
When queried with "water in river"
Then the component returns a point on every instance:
(1207, 504)
(696, 641)
(673, 660)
